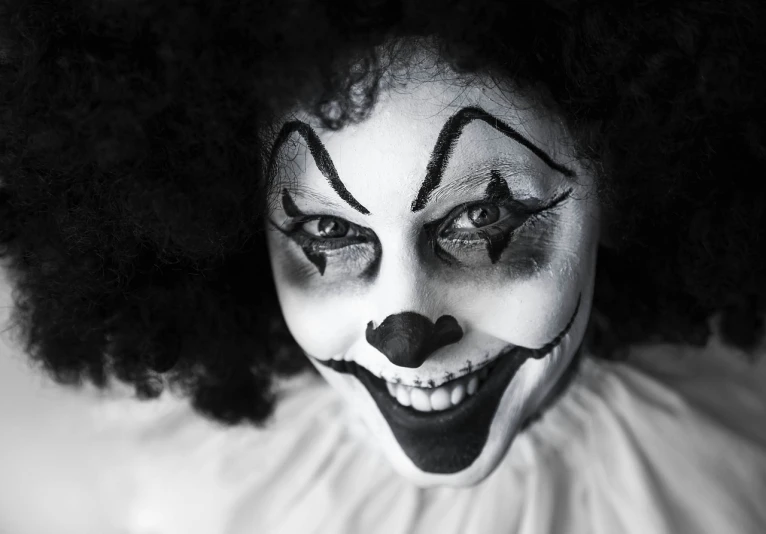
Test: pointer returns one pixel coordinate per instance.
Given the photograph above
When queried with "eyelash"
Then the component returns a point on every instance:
(324, 245)
(530, 216)
(478, 242)
(319, 244)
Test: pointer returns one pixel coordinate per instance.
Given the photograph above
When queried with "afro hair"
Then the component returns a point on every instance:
(132, 191)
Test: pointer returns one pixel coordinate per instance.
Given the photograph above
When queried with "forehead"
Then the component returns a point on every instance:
(383, 161)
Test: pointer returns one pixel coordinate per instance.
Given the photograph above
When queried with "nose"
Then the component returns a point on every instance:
(408, 338)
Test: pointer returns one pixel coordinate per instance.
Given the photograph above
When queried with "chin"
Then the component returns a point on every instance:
(462, 445)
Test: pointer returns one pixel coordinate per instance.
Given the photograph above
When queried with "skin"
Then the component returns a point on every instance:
(428, 267)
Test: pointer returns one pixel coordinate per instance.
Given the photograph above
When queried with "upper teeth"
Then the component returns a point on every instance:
(437, 399)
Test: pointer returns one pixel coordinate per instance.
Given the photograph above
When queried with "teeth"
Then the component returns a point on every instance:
(458, 394)
(403, 395)
(420, 400)
(451, 394)
(438, 399)
(473, 385)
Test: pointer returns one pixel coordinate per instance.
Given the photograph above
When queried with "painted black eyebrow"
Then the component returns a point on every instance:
(448, 137)
(321, 157)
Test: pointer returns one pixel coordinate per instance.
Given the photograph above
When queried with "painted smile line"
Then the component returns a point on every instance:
(458, 392)
(429, 395)
(469, 369)
(449, 441)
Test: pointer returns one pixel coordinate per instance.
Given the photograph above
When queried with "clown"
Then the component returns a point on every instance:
(436, 263)
(384, 267)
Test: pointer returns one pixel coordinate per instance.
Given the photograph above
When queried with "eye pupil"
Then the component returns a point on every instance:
(484, 215)
(331, 227)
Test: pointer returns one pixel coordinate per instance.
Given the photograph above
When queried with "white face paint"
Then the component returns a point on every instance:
(454, 205)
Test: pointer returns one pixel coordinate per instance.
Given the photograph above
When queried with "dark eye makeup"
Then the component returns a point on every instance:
(325, 233)
(322, 236)
(457, 235)
(487, 225)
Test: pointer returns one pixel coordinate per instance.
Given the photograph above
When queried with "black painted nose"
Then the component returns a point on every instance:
(408, 338)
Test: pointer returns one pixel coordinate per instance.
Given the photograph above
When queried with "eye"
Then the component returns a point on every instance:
(328, 228)
(485, 225)
(478, 216)
(325, 239)
(474, 220)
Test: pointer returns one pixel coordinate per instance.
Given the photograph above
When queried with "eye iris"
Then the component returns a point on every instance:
(484, 215)
(330, 227)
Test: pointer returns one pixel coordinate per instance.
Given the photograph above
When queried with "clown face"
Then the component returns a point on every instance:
(436, 264)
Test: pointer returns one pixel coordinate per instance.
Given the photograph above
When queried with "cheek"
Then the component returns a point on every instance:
(531, 294)
(524, 257)
(528, 313)
(321, 311)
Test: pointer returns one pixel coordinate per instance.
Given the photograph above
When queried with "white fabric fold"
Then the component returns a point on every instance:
(672, 442)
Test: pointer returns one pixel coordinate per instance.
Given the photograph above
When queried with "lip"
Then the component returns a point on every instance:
(503, 369)
(409, 416)
(353, 368)
(449, 441)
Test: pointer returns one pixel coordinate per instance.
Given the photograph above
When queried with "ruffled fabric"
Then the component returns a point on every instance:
(672, 442)
(620, 452)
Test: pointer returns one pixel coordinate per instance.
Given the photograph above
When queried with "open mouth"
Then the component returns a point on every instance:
(443, 397)
(448, 439)
(447, 396)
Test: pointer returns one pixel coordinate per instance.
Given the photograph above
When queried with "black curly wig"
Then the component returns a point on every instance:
(132, 188)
